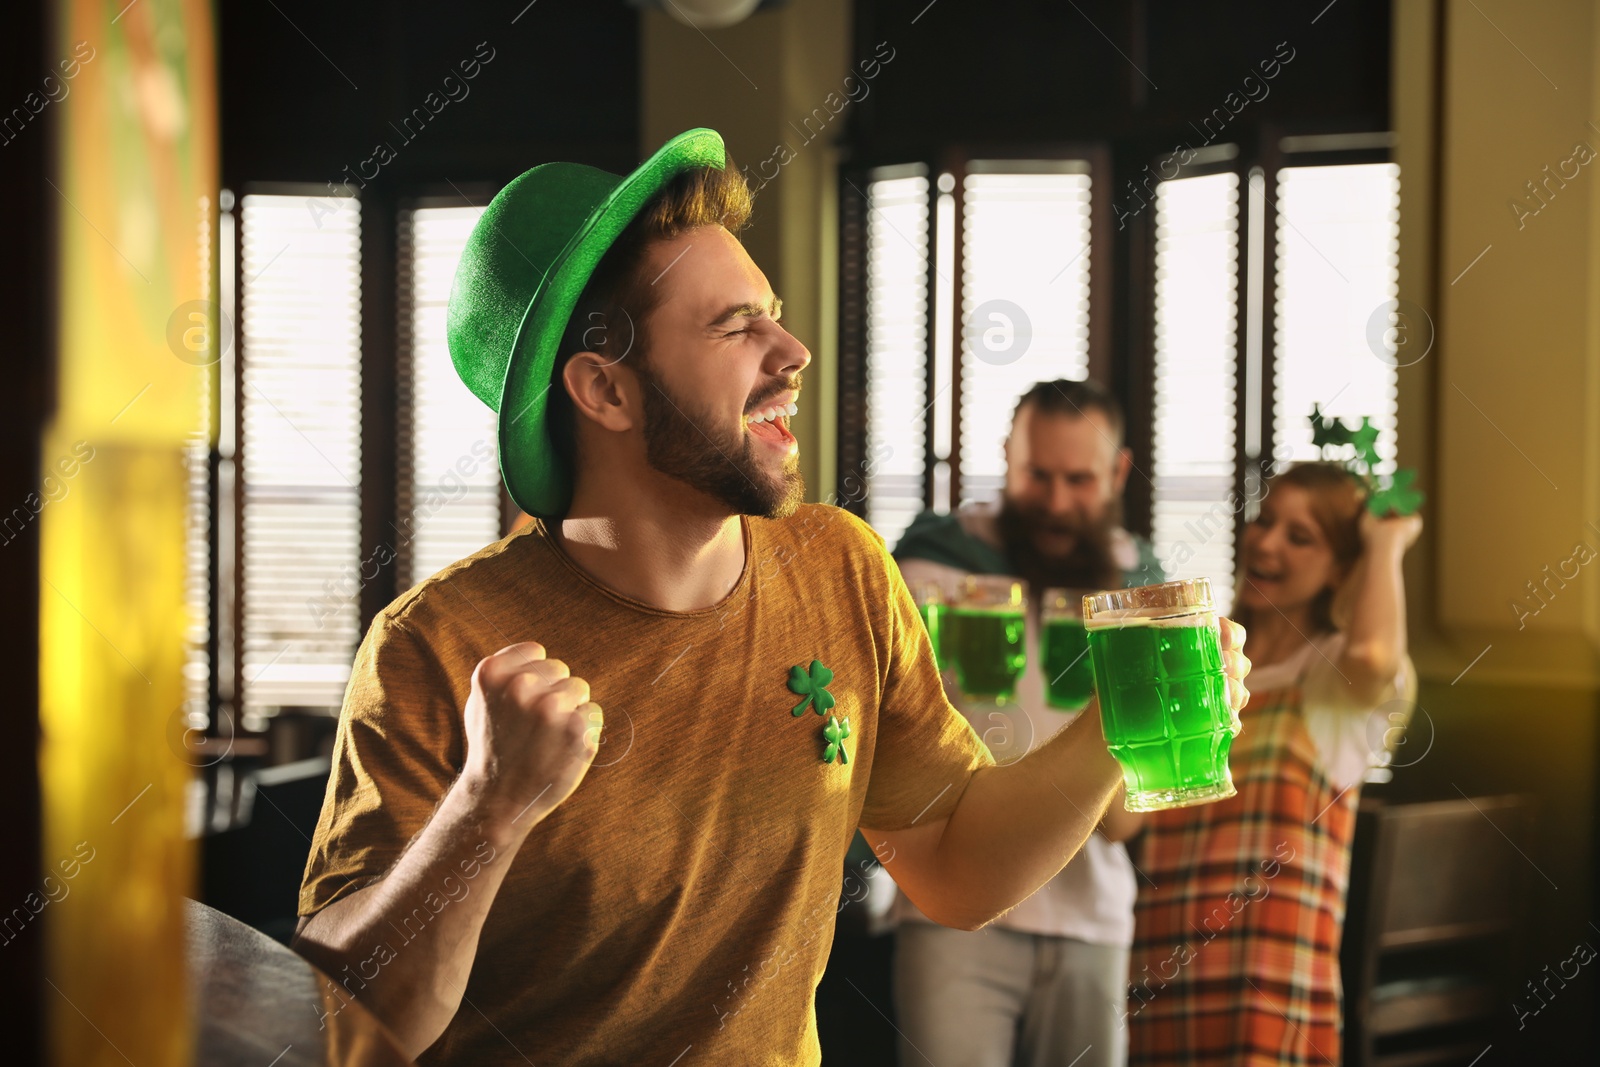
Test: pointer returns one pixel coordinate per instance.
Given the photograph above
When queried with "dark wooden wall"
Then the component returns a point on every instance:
(1134, 72)
(309, 89)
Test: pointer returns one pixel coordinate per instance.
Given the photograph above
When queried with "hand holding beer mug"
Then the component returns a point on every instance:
(1165, 702)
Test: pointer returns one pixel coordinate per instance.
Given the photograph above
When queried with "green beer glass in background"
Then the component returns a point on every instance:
(1157, 654)
(1064, 648)
(931, 606)
(983, 636)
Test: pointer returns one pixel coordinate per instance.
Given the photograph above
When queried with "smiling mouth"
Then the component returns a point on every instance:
(1255, 574)
(770, 422)
(775, 430)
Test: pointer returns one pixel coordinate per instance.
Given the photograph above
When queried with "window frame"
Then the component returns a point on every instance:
(228, 705)
(1121, 294)
(1274, 148)
(383, 363)
(854, 375)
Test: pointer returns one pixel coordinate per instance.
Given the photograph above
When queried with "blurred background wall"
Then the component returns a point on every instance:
(1494, 105)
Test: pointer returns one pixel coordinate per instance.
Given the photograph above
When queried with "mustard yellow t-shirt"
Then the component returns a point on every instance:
(683, 899)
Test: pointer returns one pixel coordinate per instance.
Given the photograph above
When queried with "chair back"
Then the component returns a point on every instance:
(253, 870)
(1434, 920)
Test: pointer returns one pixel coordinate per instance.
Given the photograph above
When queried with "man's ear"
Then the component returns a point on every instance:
(602, 391)
(1124, 465)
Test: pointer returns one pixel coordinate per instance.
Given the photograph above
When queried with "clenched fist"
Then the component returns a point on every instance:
(532, 733)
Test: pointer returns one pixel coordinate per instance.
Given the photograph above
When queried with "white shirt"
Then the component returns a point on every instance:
(1351, 736)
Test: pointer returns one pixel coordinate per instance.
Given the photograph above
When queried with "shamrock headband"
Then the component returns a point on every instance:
(1387, 494)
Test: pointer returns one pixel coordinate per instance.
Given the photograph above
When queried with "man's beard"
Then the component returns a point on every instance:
(1091, 563)
(682, 442)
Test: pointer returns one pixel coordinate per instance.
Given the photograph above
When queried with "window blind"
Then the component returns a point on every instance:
(896, 347)
(449, 470)
(299, 469)
(1196, 315)
(1024, 299)
(1338, 239)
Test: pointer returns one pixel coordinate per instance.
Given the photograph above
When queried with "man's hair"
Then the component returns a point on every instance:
(1067, 397)
(609, 315)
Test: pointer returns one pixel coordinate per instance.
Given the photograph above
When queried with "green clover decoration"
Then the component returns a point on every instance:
(836, 731)
(1365, 441)
(1325, 434)
(811, 684)
(1400, 497)
(1394, 494)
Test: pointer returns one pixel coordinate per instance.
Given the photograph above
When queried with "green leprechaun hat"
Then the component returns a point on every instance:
(528, 260)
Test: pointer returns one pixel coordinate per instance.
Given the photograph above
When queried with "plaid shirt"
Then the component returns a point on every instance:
(1236, 943)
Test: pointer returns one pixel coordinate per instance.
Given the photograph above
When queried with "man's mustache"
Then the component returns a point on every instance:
(1070, 526)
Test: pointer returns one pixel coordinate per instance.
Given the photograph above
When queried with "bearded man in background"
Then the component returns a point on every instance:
(1046, 983)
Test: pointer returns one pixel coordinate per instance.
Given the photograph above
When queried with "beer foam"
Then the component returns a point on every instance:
(1122, 618)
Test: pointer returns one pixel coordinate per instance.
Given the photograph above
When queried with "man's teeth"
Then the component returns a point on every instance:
(776, 411)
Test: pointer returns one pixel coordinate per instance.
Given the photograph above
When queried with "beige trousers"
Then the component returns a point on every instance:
(1000, 998)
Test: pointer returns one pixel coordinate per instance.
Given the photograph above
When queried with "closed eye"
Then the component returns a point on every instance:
(748, 311)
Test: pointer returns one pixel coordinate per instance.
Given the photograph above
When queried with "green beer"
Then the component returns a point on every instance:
(1157, 658)
(986, 646)
(1068, 674)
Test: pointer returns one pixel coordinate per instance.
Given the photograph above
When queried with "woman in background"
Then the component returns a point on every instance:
(1236, 945)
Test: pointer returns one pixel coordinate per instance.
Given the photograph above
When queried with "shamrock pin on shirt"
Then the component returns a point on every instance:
(811, 685)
